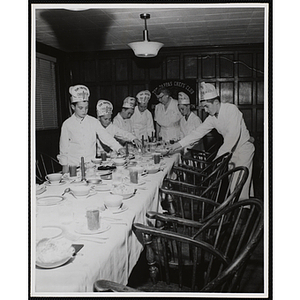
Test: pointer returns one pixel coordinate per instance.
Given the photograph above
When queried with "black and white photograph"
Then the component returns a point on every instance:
(149, 147)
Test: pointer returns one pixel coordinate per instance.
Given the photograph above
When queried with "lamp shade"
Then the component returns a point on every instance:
(145, 48)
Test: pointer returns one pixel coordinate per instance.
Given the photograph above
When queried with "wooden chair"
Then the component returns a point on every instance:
(45, 164)
(213, 260)
(205, 175)
(200, 202)
(207, 155)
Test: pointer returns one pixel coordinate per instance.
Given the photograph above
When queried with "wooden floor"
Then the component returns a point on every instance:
(253, 279)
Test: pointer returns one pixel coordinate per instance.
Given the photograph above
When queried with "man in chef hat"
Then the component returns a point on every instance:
(104, 110)
(80, 131)
(228, 120)
(142, 120)
(122, 119)
(189, 121)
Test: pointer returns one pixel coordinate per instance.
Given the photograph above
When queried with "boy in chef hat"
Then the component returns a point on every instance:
(142, 120)
(104, 110)
(228, 120)
(189, 121)
(122, 119)
(80, 131)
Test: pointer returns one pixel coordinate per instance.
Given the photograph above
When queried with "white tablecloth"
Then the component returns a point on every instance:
(112, 260)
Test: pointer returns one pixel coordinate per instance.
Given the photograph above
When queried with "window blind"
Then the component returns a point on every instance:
(46, 102)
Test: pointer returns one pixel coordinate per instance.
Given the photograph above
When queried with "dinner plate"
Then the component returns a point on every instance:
(52, 265)
(53, 253)
(153, 170)
(49, 200)
(83, 229)
(55, 183)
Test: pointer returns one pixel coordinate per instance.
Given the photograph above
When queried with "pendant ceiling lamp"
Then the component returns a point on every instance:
(145, 48)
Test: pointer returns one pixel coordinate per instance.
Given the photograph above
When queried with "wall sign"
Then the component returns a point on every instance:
(175, 86)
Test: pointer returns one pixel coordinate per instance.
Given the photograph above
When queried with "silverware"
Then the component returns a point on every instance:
(67, 190)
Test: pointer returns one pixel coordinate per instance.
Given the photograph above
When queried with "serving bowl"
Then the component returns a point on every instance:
(80, 190)
(119, 161)
(54, 177)
(113, 202)
(123, 190)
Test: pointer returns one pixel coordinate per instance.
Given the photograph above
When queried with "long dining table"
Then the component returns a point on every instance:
(110, 254)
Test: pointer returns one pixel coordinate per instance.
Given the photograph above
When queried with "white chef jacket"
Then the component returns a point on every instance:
(188, 126)
(78, 139)
(115, 132)
(168, 119)
(142, 123)
(124, 124)
(230, 124)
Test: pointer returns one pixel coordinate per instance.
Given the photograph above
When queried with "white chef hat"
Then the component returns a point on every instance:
(104, 107)
(79, 93)
(129, 102)
(183, 98)
(143, 97)
(207, 91)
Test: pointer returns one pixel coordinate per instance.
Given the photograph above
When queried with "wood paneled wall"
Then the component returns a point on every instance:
(236, 71)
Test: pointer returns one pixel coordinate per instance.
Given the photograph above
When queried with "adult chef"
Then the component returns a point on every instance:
(167, 116)
(228, 120)
(142, 120)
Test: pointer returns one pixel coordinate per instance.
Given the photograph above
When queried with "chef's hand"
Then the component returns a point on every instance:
(122, 151)
(138, 143)
(174, 148)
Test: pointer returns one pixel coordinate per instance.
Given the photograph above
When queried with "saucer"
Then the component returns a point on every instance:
(103, 188)
(40, 189)
(83, 229)
(118, 211)
(49, 200)
(55, 183)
